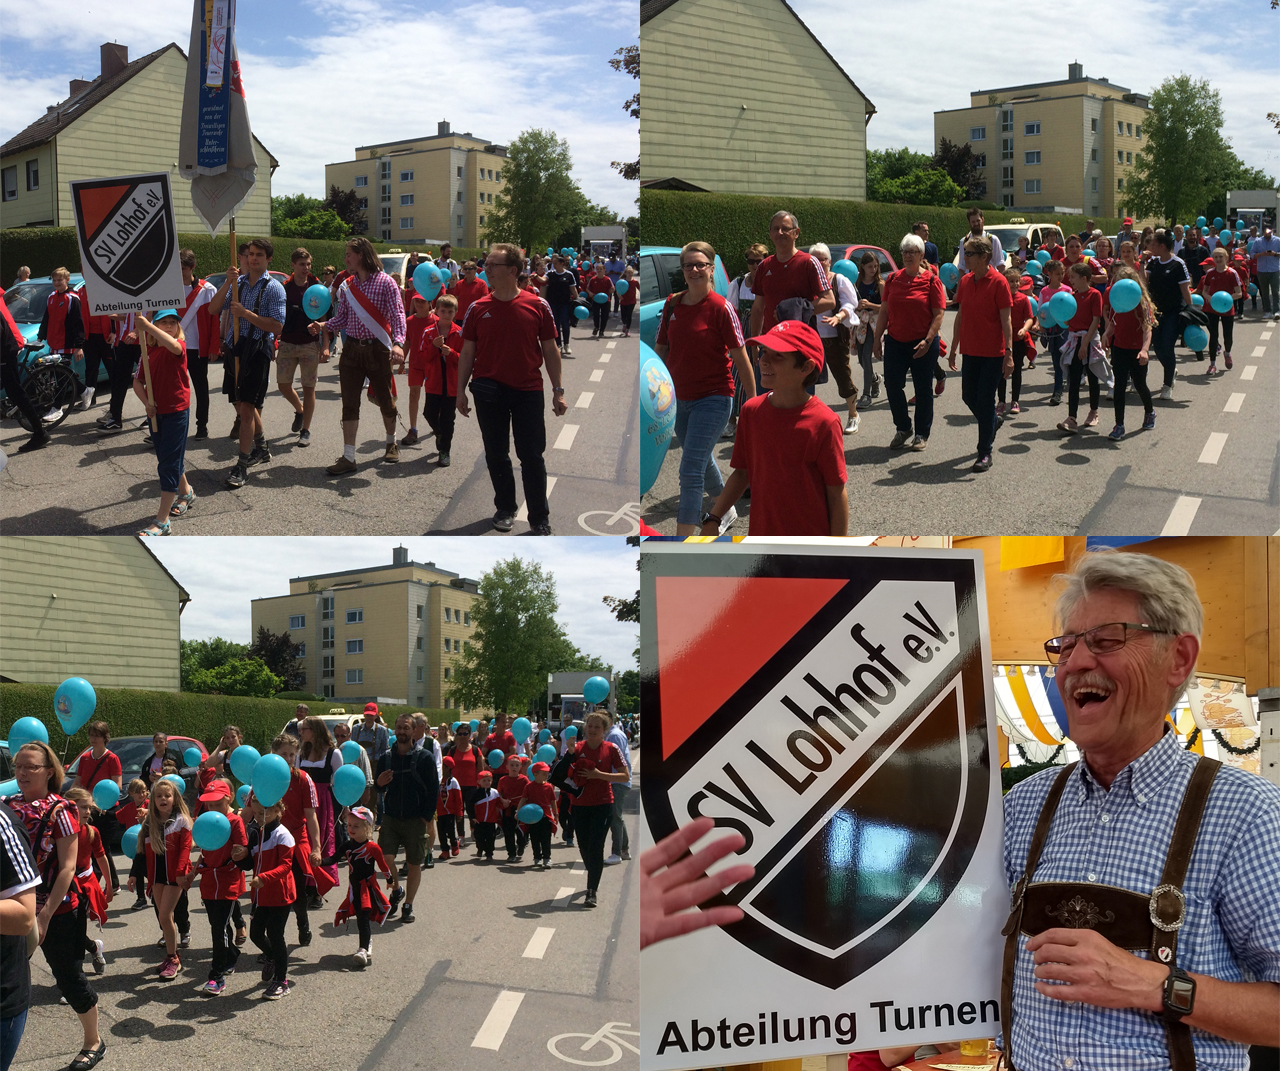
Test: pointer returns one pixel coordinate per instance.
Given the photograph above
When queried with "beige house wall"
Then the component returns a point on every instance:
(732, 88)
(101, 608)
(31, 206)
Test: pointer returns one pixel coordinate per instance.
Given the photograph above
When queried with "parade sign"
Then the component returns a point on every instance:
(833, 705)
(128, 243)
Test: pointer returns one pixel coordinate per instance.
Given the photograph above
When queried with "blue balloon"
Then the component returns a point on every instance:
(1046, 316)
(622, 286)
(243, 759)
(192, 756)
(1217, 222)
(658, 402)
(27, 731)
(1200, 221)
(445, 275)
(1035, 305)
(521, 729)
(211, 831)
(315, 301)
(105, 795)
(600, 298)
(10, 787)
(74, 703)
(1196, 338)
(550, 251)
(1063, 306)
(1043, 256)
(475, 724)
(129, 841)
(1253, 289)
(546, 753)
(567, 251)
(482, 277)
(177, 782)
(1087, 253)
(581, 312)
(242, 794)
(496, 757)
(596, 690)
(949, 274)
(426, 280)
(455, 725)
(531, 814)
(1221, 301)
(270, 779)
(1125, 295)
(544, 735)
(350, 751)
(348, 784)
(570, 732)
(847, 268)
(1033, 268)
(1197, 300)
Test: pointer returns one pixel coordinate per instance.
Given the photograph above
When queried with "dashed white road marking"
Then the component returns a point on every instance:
(522, 514)
(1181, 516)
(496, 1024)
(563, 897)
(604, 358)
(537, 946)
(597, 375)
(1265, 336)
(1234, 403)
(1248, 372)
(1258, 351)
(564, 440)
(611, 345)
(584, 399)
(1213, 448)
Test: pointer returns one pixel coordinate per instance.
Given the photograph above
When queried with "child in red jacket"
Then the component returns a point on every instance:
(541, 792)
(449, 813)
(93, 898)
(270, 857)
(417, 354)
(442, 344)
(166, 842)
(511, 790)
(488, 809)
(222, 885)
(365, 900)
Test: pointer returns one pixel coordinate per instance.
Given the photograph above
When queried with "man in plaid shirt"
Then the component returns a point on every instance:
(370, 310)
(1132, 626)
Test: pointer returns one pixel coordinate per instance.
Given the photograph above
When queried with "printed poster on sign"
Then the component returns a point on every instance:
(834, 705)
(128, 243)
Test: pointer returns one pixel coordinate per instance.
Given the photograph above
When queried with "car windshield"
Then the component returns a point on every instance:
(133, 752)
(1008, 236)
(26, 301)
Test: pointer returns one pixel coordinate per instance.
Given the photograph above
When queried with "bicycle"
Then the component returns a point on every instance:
(629, 513)
(50, 384)
(607, 1035)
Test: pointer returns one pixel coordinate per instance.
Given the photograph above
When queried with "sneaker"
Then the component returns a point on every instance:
(110, 426)
(940, 385)
(919, 443)
(304, 437)
(184, 940)
(730, 430)
(170, 967)
(568, 842)
(406, 913)
(851, 425)
(410, 439)
(1213, 369)
(396, 896)
(454, 853)
(140, 903)
(543, 529)
(275, 991)
(148, 439)
(1055, 398)
(444, 461)
(1227, 359)
(728, 520)
(103, 419)
(900, 440)
(429, 864)
(268, 970)
(201, 433)
(1149, 421)
(392, 454)
(613, 860)
(261, 454)
(1069, 425)
(1000, 409)
(85, 401)
(214, 987)
(626, 856)
(504, 522)
(304, 937)
(1117, 433)
(297, 422)
(982, 464)
(237, 476)
(875, 386)
(38, 439)
(160, 943)
(342, 467)
(567, 351)
(1166, 393)
(1015, 408)
(361, 959)
(235, 430)
(99, 960)
(1091, 421)
(590, 899)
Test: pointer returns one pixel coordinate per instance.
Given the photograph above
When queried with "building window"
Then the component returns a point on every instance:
(300, 651)
(1031, 185)
(1119, 128)
(297, 621)
(1119, 156)
(326, 608)
(482, 197)
(457, 646)
(1031, 157)
(1030, 129)
(33, 174)
(1007, 200)
(459, 222)
(1093, 126)
(384, 169)
(406, 199)
(362, 180)
(386, 233)
(459, 172)
(448, 615)
(355, 646)
(466, 618)
(384, 192)
(11, 183)
(385, 216)
(497, 175)
(326, 666)
(1006, 178)
(1128, 129)
(977, 133)
(419, 609)
(459, 200)
(406, 223)
(419, 643)
(1119, 184)
(1093, 182)
(422, 700)
(364, 202)
(980, 160)
(355, 617)
(1006, 120)
(482, 221)
(406, 176)
(446, 672)
(1128, 158)
(446, 646)
(1006, 148)
(419, 674)
(355, 676)
(1138, 131)
(1093, 155)
(326, 638)
(328, 691)
(302, 676)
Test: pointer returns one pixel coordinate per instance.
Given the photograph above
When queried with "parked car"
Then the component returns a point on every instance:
(660, 276)
(330, 720)
(1037, 234)
(853, 251)
(26, 303)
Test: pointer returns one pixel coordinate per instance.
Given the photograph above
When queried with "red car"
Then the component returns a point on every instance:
(846, 251)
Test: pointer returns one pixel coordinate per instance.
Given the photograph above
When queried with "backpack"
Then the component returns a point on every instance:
(563, 768)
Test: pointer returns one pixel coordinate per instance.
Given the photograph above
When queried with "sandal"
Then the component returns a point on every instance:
(156, 528)
(89, 1058)
(182, 504)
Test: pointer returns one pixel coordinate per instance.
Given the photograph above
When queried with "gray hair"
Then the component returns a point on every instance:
(912, 242)
(790, 215)
(820, 247)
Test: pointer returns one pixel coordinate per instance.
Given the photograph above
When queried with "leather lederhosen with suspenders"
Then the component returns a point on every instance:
(1129, 920)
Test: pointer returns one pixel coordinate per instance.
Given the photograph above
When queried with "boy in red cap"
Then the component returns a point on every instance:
(449, 811)
(511, 790)
(488, 808)
(222, 885)
(541, 792)
(789, 448)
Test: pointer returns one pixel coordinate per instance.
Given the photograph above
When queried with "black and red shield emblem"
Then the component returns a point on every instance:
(832, 707)
(126, 229)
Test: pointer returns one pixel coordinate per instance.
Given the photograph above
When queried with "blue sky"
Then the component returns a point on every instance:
(223, 574)
(324, 76)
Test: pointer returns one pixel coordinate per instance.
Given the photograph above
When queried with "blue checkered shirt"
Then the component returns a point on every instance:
(1120, 837)
(272, 306)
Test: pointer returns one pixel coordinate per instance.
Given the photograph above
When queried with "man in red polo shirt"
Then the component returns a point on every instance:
(508, 335)
(983, 333)
(789, 273)
(501, 737)
(469, 289)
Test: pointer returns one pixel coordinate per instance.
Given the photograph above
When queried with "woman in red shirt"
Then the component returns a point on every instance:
(467, 763)
(596, 765)
(627, 303)
(599, 283)
(168, 401)
(700, 339)
(983, 334)
(1220, 277)
(1129, 336)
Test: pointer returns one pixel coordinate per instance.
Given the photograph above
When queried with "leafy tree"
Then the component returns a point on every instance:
(628, 60)
(279, 654)
(290, 207)
(322, 223)
(346, 203)
(239, 676)
(886, 164)
(205, 655)
(539, 201)
(931, 187)
(629, 692)
(959, 162)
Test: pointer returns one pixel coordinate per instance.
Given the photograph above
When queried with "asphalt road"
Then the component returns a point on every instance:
(1211, 466)
(86, 483)
(461, 987)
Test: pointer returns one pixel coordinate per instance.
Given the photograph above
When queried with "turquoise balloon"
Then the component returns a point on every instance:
(596, 690)
(1217, 222)
(546, 753)
(475, 724)
(570, 732)
(521, 729)
(847, 268)
(1253, 289)
(1196, 338)
(1035, 305)
(315, 301)
(105, 795)
(1197, 300)
(177, 782)
(1043, 256)
(455, 725)
(427, 282)
(243, 760)
(531, 814)
(622, 286)
(192, 756)
(242, 795)
(1221, 301)
(129, 841)
(482, 277)
(270, 779)
(1046, 316)
(74, 703)
(211, 831)
(550, 251)
(496, 757)
(27, 731)
(600, 298)
(658, 421)
(348, 785)
(1125, 295)
(445, 275)
(10, 787)
(350, 751)
(1087, 253)
(544, 735)
(1200, 221)
(1033, 268)
(581, 312)
(1063, 306)
(566, 251)
(949, 274)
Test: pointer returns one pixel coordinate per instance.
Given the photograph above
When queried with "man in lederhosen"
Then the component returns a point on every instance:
(1144, 929)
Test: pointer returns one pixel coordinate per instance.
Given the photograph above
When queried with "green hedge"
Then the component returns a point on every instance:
(731, 222)
(44, 248)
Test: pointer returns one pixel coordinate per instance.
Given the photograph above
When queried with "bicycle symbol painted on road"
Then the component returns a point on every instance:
(608, 1035)
(626, 522)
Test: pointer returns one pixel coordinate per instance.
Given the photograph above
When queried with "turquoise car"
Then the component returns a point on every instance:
(660, 276)
(26, 302)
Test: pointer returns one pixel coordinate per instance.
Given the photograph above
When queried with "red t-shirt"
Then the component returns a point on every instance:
(466, 766)
(606, 757)
(508, 337)
(1056, 252)
(300, 795)
(700, 337)
(1127, 330)
(220, 877)
(512, 789)
(93, 325)
(1020, 313)
(506, 743)
(414, 328)
(910, 303)
(91, 770)
(632, 294)
(1215, 280)
(468, 293)
(792, 457)
(429, 361)
(599, 284)
(1094, 267)
(775, 281)
(1088, 305)
(169, 382)
(981, 332)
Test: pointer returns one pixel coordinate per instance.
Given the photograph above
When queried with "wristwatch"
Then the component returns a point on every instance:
(711, 518)
(1179, 995)
(557, 390)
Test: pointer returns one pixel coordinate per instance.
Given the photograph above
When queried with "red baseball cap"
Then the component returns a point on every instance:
(1128, 221)
(541, 766)
(792, 336)
(485, 773)
(216, 789)
(371, 708)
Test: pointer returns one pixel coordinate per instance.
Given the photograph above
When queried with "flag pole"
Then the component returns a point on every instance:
(235, 280)
(146, 374)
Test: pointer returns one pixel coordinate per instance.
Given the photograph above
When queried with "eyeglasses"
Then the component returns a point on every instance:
(757, 261)
(463, 732)
(1101, 639)
(26, 767)
(702, 265)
